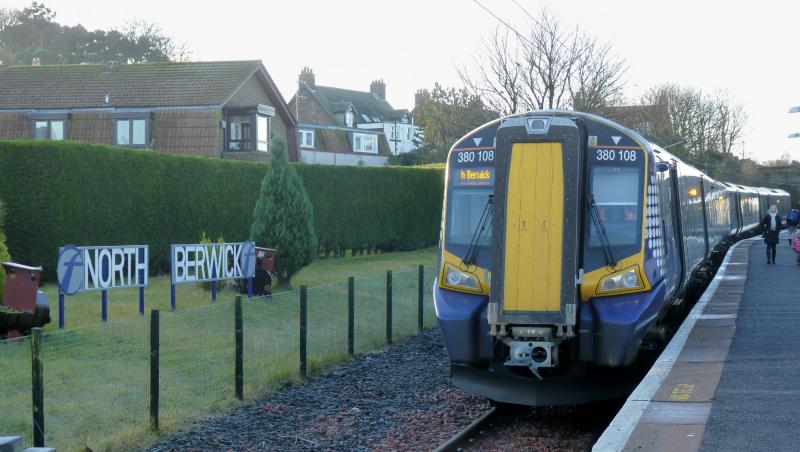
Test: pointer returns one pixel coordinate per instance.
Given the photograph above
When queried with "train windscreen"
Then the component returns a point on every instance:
(469, 208)
(616, 183)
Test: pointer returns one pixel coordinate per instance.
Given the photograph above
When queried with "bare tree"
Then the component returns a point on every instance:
(548, 67)
(496, 79)
(702, 123)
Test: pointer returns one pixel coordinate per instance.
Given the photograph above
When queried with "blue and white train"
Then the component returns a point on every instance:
(567, 239)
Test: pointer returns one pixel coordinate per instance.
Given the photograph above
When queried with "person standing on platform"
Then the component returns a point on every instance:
(771, 225)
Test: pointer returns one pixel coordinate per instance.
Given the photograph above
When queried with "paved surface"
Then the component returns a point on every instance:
(757, 404)
(730, 378)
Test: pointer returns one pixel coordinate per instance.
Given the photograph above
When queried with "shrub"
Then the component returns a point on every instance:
(207, 241)
(4, 256)
(60, 193)
(283, 218)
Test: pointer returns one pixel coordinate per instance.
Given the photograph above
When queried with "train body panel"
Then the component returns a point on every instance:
(565, 239)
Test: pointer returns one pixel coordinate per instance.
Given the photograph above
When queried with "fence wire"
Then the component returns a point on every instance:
(96, 382)
(97, 378)
(15, 375)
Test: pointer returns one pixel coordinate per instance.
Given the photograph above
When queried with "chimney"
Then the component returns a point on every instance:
(307, 76)
(421, 97)
(36, 62)
(378, 88)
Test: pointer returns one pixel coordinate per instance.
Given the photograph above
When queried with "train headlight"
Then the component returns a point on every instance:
(621, 281)
(461, 280)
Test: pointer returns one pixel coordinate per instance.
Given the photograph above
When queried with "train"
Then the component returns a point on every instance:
(568, 243)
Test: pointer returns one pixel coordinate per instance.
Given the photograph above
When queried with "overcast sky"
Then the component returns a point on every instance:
(748, 48)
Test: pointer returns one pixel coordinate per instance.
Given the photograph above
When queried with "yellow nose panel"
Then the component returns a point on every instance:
(534, 212)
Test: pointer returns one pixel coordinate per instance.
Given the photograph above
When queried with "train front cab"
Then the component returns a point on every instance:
(565, 281)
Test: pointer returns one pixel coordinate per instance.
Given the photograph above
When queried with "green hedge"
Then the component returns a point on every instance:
(59, 193)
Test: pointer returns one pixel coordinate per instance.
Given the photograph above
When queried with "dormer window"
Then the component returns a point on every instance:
(348, 118)
(49, 126)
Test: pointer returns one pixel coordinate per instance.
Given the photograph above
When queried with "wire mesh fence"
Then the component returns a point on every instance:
(97, 379)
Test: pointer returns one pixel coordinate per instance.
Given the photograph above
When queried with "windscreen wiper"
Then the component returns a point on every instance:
(471, 256)
(594, 213)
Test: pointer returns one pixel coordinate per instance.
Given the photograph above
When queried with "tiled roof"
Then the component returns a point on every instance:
(127, 85)
(365, 103)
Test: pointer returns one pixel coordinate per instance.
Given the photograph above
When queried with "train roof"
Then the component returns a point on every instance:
(487, 133)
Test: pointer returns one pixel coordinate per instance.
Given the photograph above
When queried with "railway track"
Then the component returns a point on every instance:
(510, 427)
(463, 437)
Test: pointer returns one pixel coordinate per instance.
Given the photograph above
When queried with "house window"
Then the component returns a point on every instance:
(262, 133)
(348, 118)
(307, 138)
(49, 129)
(408, 134)
(131, 132)
(239, 133)
(365, 143)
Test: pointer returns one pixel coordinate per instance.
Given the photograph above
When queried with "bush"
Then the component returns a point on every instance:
(4, 256)
(60, 193)
(207, 241)
(283, 218)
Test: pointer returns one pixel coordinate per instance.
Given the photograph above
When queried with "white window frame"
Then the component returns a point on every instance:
(306, 138)
(360, 141)
(262, 133)
(348, 118)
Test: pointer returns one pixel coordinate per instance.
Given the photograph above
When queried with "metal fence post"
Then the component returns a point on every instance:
(351, 317)
(389, 307)
(60, 309)
(141, 301)
(38, 387)
(104, 307)
(303, 330)
(239, 350)
(420, 296)
(154, 345)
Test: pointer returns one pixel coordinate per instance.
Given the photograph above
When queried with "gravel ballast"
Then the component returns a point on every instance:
(396, 399)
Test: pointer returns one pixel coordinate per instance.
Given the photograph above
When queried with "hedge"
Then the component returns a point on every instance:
(59, 193)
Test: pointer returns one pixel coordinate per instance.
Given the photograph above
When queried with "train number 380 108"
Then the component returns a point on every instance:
(622, 155)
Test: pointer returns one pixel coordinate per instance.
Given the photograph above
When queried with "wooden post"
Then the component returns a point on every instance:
(351, 317)
(420, 297)
(154, 345)
(239, 350)
(303, 329)
(38, 387)
(389, 307)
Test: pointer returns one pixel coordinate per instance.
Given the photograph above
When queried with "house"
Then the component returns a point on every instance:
(346, 127)
(223, 109)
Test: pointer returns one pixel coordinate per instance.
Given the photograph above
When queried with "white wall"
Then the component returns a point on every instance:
(396, 147)
(336, 158)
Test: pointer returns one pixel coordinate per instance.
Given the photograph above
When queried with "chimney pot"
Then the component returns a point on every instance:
(378, 88)
(36, 62)
(307, 76)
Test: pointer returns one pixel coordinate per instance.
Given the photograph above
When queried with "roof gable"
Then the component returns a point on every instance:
(127, 85)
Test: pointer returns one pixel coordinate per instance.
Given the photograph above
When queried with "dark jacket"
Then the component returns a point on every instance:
(771, 235)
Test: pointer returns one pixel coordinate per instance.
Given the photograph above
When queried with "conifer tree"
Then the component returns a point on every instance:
(4, 256)
(283, 217)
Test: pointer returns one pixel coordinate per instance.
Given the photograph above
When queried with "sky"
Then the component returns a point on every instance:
(747, 48)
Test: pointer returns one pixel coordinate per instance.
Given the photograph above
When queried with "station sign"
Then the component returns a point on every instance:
(201, 262)
(101, 268)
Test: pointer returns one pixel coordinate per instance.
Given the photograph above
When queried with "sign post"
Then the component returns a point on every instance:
(101, 268)
(212, 262)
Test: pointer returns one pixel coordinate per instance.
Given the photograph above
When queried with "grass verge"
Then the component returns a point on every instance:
(96, 375)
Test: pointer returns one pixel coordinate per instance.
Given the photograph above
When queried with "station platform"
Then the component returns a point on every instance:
(729, 380)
